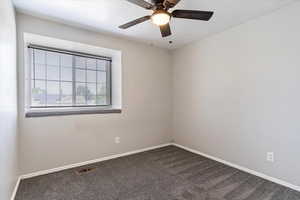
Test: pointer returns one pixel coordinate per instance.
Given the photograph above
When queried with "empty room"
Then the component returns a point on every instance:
(149, 100)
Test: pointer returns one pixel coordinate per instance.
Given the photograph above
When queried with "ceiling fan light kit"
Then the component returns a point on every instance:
(161, 17)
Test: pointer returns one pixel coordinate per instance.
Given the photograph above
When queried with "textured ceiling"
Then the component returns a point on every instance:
(106, 15)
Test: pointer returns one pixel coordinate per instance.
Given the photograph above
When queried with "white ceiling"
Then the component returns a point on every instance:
(106, 15)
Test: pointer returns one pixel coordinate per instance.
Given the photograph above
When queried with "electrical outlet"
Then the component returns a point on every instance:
(117, 140)
(270, 156)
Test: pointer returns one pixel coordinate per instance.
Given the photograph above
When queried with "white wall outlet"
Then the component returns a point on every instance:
(117, 140)
(270, 156)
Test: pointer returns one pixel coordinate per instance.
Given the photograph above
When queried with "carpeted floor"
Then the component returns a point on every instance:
(168, 173)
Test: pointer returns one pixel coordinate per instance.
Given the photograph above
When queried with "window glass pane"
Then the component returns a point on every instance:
(52, 73)
(91, 63)
(32, 64)
(91, 76)
(101, 77)
(80, 75)
(39, 56)
(101, 65)
(66, 93)
(66, 60)
(52, 58)
(91, 100)
(53, 94)
(79, 62)
(91, 89)
(52, 79)
(81, 92)
(101, 100)
(40, 72)
(101, 89)
(38, 93)
(66, 89)
(91, 94)
(66, 74)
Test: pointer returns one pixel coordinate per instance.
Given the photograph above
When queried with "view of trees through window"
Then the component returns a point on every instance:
(63, 80)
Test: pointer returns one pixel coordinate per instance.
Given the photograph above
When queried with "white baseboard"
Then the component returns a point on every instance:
(57, 169)
(15, 189)
(250, 171)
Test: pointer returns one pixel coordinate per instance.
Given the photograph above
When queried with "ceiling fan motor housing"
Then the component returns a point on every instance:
(157, 2)
(161, 11)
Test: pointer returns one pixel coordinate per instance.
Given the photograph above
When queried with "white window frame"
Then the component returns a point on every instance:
(115, 87)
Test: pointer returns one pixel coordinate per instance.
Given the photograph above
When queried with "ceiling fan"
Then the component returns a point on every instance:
(161, 17)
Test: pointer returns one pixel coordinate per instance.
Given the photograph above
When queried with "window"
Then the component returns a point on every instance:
(66, 79)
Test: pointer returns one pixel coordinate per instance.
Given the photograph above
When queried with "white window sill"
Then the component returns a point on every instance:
(73, 111)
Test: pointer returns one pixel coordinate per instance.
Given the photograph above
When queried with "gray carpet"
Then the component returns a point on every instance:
(168, 173)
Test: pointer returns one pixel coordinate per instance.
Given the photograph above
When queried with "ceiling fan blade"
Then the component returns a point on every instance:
(193, 14)
(142, 3)
(171, 3)
(165, 30)
(135, 22)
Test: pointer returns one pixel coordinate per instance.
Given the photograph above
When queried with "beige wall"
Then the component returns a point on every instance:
(145, 120)
(8, 105)
(236, 94)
